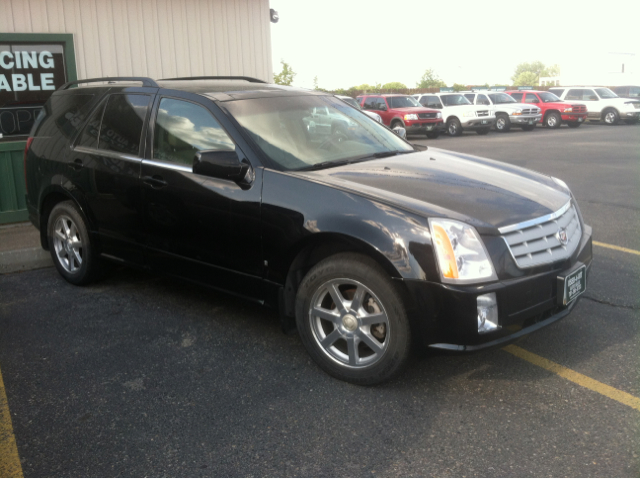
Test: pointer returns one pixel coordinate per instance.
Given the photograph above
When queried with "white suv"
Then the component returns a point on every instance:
(507, 110)
(458, 113)
(602, 104)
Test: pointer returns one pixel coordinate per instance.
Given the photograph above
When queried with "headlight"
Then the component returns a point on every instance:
(460, 252)
(517, 113)
(411, 116)
(469, 113)
(439, 115)
(567, 110)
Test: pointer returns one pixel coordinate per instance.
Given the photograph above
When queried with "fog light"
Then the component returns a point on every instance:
(487, 313)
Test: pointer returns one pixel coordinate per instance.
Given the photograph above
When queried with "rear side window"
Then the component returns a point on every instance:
(184, 128)
(431, 101)
(470, 96)
(63, 114)
(517, 96)
(531, 98)
(122, 123)
(374, 103)
(89, 137)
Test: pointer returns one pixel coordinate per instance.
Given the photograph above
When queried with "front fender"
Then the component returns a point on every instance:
(294, 209)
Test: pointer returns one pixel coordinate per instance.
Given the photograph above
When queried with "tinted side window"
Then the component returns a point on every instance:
(574, 94)
(483, 100)
(517, 96)
(470, 96)
(589, 95)
(432, 102)
(531, 98)
(122, 122)
(89, 137)
(634, 92)
(63, 114)
(184, 128)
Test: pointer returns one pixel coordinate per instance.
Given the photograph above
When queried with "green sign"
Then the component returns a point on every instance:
(498, 88)
(479, 88)
(446, 89)
(525, 88)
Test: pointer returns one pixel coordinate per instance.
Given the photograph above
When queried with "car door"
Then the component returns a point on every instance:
(106, 165)
(199, 227)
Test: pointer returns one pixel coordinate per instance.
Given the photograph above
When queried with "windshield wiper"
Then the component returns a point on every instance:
(332, 163)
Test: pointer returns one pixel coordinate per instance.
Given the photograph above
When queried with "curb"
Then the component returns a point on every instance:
(24, 260)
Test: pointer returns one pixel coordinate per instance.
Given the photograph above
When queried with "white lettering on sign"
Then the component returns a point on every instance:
(24, 60)
(20, 82)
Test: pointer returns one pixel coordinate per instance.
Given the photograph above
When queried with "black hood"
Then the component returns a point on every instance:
(487, 193)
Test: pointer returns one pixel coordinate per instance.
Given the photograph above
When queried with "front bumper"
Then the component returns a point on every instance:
(581, 117)
(422, 126)
(525, 120)
(445, 316)
(478, 122)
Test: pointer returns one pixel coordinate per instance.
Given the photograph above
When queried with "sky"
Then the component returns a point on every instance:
(350, 42)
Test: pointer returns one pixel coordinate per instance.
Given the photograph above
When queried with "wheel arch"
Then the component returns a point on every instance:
(609, 108)
(48, 200)
(396, 119)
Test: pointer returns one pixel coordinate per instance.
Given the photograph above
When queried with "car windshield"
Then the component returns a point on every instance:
(499, 98)
(291, 132)
(402, 102)
(454, 100)
(605, 93)
(352, 102)
(548, 97)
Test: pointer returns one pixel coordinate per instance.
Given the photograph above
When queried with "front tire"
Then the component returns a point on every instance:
(454, 128)
(553, 120)
(503, 124)
(610, 117)
(352, 320)
(70, 246)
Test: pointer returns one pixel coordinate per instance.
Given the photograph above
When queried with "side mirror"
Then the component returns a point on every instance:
(401, 132)
(223, 164)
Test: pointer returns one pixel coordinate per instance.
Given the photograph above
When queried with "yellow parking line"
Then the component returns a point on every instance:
(617, 248)
(580, 379)
(9, 460)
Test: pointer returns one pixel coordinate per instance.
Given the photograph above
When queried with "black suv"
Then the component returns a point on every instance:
(364, 242)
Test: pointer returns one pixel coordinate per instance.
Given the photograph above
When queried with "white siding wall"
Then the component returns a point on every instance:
(154, 38)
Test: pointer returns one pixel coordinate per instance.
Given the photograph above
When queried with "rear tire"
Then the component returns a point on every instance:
(454, 128)
(70, 245)
(352, 320)
(573, 124)
(503, 124)
(553, 120)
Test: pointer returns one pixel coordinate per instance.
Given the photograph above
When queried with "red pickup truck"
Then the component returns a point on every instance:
(405, 111)
(554, 110)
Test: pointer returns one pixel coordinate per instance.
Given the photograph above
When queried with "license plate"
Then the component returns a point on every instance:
(429, 127)
(580, 120)
(573, 285)
(531, 122)
(484, 122)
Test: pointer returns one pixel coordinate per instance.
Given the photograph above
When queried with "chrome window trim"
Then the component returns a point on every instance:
(170, 166)
(107, 153)
(535, 221)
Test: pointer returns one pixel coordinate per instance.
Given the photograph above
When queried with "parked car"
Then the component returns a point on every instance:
(458, 113)
(629, 91)
(508, 112)
(366, 243)
(602, 104)
(356, 105)
(554, 110)
(403, 111)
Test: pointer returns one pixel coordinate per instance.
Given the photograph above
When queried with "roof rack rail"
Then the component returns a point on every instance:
(249, 79)
(145, 81)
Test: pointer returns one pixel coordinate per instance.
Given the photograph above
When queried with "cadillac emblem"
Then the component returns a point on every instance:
(562, 237)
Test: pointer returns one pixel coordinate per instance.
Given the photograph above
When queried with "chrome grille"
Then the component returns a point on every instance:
(483, 113)
(579, 108)
(536, 242)
(424, 116)
(530, 111)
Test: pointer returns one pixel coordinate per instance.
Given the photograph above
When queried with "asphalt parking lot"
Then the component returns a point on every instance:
(143, 375)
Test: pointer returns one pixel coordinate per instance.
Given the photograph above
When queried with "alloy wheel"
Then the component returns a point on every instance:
(67, 244)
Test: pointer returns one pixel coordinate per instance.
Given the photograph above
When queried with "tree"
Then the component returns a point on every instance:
(394, 85)
(525, 70)
(459, 87)
(315, 82)
(285, 77)
(430, 80)
(365, 87)
(526, 78)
